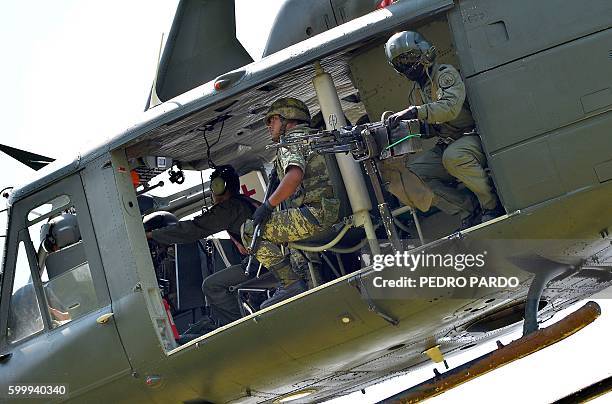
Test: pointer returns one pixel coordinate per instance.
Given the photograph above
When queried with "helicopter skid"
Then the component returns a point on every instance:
(517, 349)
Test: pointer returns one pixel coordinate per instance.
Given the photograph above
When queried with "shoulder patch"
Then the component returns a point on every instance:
(446, 79)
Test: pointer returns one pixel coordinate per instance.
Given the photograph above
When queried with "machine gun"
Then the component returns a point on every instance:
(367, 143)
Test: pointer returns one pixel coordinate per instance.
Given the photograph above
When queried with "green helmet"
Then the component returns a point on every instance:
(289, 108)
(407, 50)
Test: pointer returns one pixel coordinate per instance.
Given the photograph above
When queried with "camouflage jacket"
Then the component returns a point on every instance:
(316, 184)
(441, 103)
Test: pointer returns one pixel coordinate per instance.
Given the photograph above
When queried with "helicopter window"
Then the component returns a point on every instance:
(3, 231)
(42, 210)
(63, 266)
(25, 318)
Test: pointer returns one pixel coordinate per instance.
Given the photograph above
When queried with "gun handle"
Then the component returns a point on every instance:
(247, 271)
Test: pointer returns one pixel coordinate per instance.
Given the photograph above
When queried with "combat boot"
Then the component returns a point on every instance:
(285, 292)
(490, 214)
(471, 220)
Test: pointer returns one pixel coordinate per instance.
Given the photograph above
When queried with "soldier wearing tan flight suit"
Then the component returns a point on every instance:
(438, 100)
(310, 207)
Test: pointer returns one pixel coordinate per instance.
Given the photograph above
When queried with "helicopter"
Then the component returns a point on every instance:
(355, 344)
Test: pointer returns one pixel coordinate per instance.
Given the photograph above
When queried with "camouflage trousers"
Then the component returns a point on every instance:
(463, 160)
(285, 226)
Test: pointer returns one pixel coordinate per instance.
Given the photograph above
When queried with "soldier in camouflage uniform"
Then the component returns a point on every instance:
(437, 99)
(309, 204)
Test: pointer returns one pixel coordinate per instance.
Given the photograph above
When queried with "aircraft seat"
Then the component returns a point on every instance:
(65, 259)
(265, 283)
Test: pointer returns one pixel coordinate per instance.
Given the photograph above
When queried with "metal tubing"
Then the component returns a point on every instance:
(349, 168)
(313, 275)
(324, 247)
(517, 349)
(417, 223)
(340, 264)
(399, 211)
(350, 250)
(331, 265)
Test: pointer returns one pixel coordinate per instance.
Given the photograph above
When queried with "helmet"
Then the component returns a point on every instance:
(289, 108)
(60, 232)
(159, 219)
(409, 53)
(224, 178)
(146, 204)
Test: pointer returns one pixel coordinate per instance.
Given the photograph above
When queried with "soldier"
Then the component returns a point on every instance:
(437, 99)
(306, 189)
(229, 212)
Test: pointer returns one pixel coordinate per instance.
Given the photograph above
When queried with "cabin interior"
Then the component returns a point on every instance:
(234, 132)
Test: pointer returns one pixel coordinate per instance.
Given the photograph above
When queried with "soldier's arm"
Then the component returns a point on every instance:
(450, 94)
(288, 185)
(215, 220)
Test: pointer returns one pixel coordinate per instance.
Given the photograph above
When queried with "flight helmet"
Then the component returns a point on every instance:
(410, 54)
(60, 232)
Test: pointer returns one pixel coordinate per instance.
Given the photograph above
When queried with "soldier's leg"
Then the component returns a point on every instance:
(464, 160)
(223, 304)
(302, 261)
(407, 187)
(277, 260)
(447, 198)
(284, 226)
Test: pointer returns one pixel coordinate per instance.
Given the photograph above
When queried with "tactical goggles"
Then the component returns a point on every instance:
(406, 60)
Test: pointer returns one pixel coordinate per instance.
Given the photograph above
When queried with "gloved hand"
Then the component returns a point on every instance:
(408, 113)
(262, 214)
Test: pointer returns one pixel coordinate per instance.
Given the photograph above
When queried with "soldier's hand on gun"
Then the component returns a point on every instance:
(262, 214)
(408, 113)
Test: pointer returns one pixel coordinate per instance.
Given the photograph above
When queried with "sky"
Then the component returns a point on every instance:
(75, 72)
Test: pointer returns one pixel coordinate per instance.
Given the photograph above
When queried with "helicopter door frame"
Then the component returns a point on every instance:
(67, 345)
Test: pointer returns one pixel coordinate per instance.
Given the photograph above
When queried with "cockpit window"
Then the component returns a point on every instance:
(63, 266)
(24, 313)
(44, 209)
(3, 232)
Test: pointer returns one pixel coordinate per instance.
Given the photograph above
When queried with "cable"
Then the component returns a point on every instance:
(211, 164)
(205, 206)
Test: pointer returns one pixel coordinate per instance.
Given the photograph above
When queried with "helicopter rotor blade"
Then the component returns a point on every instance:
(32, 160)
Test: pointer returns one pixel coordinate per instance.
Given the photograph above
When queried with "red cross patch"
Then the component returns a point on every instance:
(246, 191)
